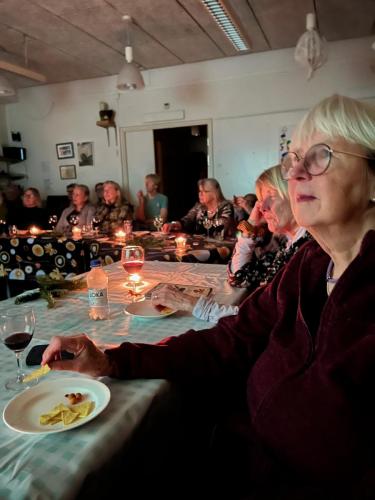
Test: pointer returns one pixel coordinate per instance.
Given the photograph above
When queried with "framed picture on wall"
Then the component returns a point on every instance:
(65, 150)
(68, 172)
(85, 152)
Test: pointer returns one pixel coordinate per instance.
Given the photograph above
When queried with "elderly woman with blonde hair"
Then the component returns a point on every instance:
(301, 350)
(114, 210)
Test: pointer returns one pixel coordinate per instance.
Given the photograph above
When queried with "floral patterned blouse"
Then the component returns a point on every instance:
(112, 216)
(192, 222)
(262, 268)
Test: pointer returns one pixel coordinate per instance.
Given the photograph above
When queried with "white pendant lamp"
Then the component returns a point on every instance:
(311, 49)
(130, 77)
(6, 88)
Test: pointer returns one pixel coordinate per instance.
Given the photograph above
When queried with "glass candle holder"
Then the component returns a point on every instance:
(180, 244)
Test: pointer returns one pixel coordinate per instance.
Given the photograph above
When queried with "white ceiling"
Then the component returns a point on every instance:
(77, 39)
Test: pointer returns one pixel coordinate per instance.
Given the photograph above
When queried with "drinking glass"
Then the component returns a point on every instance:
(158, 222)
(207, 224)
(95, 224)
(73, 220)
(218, 224)
(3, 226)
(12, 231)
(132, 260)
(16, 331)
(52, 221)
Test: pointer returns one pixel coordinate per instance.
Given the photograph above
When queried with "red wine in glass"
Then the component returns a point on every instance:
(133, 267)
(16, 331)
(18, 341)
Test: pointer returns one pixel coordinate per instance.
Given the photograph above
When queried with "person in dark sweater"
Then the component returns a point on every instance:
(31, 213)
(301, 350)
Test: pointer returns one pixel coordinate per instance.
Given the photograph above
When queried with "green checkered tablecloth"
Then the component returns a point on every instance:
(41, 467)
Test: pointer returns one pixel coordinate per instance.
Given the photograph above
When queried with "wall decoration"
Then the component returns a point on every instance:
(68, 172)
(85, 151)
(284, 140)
(65, 150)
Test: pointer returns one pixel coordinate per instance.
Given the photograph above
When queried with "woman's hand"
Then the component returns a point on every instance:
(140, 196)
(170, 296)
(87, 357)
(256, 216)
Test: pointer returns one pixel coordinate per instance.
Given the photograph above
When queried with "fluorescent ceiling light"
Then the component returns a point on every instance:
(220, 15)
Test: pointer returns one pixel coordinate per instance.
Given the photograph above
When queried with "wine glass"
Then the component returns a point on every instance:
(132, 260)
(3, 226)
(95, 224)
(16, 331)
(73, 220)
(207, 224)
(158, 222)
(52, 221)
(218, 224)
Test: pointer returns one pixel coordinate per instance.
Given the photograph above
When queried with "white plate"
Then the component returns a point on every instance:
(23, 411)
(146, 310)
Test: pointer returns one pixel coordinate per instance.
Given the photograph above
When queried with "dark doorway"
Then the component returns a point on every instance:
(180, 161)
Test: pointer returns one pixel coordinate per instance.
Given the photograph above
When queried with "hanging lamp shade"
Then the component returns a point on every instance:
(311, 49)
(130, 77)
(6, 88)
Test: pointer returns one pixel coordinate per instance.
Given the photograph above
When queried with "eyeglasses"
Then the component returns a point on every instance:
(316, 161)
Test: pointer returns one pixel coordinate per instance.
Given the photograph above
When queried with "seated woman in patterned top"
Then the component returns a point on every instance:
(257, 257)
(114, 210)
(212, 206)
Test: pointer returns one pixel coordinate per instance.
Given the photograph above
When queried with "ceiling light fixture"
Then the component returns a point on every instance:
(224, 20)
(130, 77)
(6, 88)
(311, 49)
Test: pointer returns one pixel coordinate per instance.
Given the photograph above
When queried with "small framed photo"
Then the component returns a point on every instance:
(85, 152)
(68, 172)
(65, 150)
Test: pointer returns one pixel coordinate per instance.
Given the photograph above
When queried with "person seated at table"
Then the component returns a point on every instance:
(301, 350)
(69, 191)
(79, 213)
(151, 205)
(99, 186)
(13, 200)
(3, 207)
(31, 213)
(258, 256)
(212, 206)
(243, 206)
(114, 210)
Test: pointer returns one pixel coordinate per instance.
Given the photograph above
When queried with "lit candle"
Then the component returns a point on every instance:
(120, 236)
(180, 244)
(77, 232)
(34, 231)
(135, 277)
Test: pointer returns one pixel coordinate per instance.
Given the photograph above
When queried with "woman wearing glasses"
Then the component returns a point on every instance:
(301, 350)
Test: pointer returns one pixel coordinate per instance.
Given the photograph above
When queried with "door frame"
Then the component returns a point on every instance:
(155, 126)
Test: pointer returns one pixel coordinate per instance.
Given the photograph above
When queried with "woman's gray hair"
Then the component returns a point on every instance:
(339, 116)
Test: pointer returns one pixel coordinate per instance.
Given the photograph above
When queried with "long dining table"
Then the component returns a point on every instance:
(55, 466)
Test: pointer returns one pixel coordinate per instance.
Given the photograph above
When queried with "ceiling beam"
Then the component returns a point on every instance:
(20, 70)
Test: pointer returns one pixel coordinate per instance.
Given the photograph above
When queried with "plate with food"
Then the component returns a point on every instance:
(147, 310)
(56, 405)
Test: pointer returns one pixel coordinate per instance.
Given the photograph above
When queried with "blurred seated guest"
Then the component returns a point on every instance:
(79, 213)
(69, 191)
(243, 206)
(211, 207)
(99, 186)
(257, 256)
(288, 381)
(114, 210)
(151, 205)
(3, 207)
(31, 213)
(13, 200)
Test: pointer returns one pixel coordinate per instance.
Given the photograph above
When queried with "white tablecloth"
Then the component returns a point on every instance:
(54, 466)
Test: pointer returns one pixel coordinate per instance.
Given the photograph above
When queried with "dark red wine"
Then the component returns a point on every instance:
(18, 341)
(133, 267)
